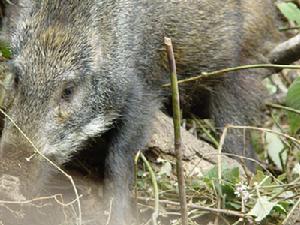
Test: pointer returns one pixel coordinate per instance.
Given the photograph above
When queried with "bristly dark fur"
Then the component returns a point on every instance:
(83, 68)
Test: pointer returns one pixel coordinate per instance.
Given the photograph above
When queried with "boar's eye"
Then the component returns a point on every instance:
(16, 79)
(67, 92)
(16, 71)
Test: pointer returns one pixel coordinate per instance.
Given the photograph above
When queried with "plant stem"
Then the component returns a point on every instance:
(177, 134)
(218, 73)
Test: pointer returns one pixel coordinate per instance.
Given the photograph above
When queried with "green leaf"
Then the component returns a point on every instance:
(293, 101)
(262, 208)
(290, 11)
(228, 190)
(5, 49)
(260, 176)
(284, 206)
(280, 209)
(164, 184)
(282, 177)
(231, 175)
(234, 205)
(212, 173)
(276, 149)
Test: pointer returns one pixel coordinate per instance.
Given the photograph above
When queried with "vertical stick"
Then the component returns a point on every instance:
(177, 134)
(219, 196)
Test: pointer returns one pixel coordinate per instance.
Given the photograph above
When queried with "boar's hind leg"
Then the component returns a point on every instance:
(237, 100)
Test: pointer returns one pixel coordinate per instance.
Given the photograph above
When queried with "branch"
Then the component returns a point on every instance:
(220, 73)
(177, 134)
(286, 52)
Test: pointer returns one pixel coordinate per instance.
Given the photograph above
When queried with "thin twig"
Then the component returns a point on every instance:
(23, 202)
(276, 106)
(265, 130)
(289, 28)
(219, 164)
(205, 75)
(135, 181)
(177, 133)
(196, 206)
(155, 186)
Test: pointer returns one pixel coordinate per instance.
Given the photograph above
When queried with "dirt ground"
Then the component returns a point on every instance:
(25, 200)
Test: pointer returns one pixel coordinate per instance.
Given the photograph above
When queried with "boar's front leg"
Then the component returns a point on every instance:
(129, 136)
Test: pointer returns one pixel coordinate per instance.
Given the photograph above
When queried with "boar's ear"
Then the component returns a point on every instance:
(13, 11)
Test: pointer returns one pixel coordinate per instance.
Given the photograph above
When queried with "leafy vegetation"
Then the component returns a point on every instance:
(5, 49)
(271, 196)
(293, 101)
(290, 11)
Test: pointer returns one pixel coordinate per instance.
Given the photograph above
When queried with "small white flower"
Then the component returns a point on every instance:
(242, 191)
